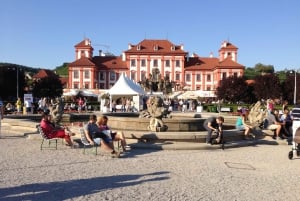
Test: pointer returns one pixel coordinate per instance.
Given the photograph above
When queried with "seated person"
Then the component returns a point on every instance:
(283, 132)
(273, 124)
(242, 125)
(214, 124)
(9, 108)
(95, 136)
(287, 122)
(116, 136)
(54, 132)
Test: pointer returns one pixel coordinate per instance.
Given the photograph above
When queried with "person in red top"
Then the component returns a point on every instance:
(55, 132)
(80, 104)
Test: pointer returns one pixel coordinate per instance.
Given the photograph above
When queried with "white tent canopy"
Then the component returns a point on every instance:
(83, 92)
(196, 94)
(72, 92)
(125, 86)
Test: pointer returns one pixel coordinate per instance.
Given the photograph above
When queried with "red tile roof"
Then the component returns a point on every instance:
(110, 62)
(84, 43)
(44, 73)
(207, 63)
(228, 45)
(148, 47)
(250, 82)
(64, 80)
(83, 61)
(228, 63)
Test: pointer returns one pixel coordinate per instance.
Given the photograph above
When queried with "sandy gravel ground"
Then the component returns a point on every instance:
(257, 173)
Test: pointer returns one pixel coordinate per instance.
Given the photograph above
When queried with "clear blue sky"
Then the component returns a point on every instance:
(39, 33)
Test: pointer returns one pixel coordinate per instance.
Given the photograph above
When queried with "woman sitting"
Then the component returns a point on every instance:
(54, 132)
(115, 135)
(95, 136)
(242, 125)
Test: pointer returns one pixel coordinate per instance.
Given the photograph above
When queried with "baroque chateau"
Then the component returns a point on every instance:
(155, 60)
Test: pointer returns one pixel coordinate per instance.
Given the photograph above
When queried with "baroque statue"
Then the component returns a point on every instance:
(57, 110)
(156, 110)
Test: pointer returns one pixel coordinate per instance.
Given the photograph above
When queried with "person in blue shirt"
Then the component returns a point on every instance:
(241, 124)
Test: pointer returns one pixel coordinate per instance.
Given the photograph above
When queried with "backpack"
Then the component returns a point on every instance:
(264, 124)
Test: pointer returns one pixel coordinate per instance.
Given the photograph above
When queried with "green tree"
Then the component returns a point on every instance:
(233, 89)
(250, 73)
(62, 70)
(48, 87)
(261, 68)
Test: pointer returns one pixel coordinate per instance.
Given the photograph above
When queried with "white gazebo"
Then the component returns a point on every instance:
(125, 87)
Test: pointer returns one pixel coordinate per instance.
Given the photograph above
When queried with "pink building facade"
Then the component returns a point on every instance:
(160, 58)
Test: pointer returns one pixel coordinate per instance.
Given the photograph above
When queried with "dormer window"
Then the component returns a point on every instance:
(138, 47)
(173, 48)
(155, 48)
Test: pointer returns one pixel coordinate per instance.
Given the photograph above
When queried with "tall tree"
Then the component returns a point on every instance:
(233, 89)
(48, 87)
(267, 86)
(264, 68)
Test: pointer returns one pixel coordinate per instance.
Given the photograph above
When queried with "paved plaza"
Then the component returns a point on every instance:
(261, 172)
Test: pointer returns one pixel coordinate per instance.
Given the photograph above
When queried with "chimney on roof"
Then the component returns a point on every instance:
(100, 52)
(224, 43)
(211, 55)
(129, 46)
(87, 42)
(181, 46)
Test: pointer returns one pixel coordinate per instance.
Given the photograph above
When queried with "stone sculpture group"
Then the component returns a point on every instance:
(156, 110)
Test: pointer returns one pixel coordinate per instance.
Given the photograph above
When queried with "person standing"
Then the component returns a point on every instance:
(80, 104)
(213, 124)
(19, 105)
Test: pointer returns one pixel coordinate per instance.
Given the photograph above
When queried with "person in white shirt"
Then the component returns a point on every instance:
(273, 124)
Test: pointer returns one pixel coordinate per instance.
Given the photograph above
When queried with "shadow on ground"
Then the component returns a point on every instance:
(63, 190)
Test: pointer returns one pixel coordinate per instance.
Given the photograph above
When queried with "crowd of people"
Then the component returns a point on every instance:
(79, 105)
(97, 132)
(280, 122)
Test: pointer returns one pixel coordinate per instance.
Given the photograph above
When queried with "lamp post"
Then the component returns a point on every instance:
(17, 82)
(295, 89)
